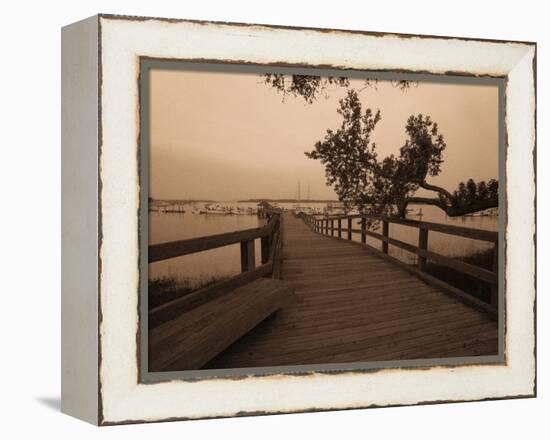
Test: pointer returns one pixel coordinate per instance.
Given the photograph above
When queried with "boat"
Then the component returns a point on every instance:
(227, 210)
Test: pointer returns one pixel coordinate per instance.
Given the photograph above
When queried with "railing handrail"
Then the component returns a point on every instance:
(325, 226)
(473, 233)
(179, 248)
(271, 242)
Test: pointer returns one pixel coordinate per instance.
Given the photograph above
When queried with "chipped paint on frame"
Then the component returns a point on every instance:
(122, 398)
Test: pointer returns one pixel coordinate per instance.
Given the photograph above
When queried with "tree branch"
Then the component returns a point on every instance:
(479, 205)
(435, 188)
(453, 211)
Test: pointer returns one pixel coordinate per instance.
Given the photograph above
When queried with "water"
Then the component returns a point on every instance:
(224, 262)
(202, 266)
(444, 244)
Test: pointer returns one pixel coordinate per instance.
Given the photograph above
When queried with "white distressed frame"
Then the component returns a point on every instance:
(122, 42)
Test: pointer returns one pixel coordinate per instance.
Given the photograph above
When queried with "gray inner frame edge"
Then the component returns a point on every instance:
(146, 65)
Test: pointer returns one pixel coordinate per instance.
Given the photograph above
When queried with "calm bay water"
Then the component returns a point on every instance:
(202, 266)
(223, 262)
(445, 244)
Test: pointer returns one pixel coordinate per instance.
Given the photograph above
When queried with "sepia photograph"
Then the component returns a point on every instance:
(265, 219)
(312, 217)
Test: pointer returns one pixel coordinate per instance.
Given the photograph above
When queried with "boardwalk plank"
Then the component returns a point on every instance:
(192, 339)
(352, 306)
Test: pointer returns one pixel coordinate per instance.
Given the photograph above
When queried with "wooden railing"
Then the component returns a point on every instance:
(270, 236)
(335, 226)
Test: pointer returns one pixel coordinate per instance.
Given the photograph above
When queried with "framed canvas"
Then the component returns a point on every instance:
(262, 219)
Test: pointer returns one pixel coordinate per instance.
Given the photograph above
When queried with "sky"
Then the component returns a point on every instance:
(229, 136)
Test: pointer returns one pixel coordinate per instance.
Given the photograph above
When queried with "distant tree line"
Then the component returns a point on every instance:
(472, 194)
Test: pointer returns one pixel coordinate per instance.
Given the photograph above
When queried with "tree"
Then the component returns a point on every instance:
(492, 189)
(462, 194)
(471, 189)
(387, 186)
(482, 192)
(310, 87)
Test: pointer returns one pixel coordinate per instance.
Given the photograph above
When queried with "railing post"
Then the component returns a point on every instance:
(248, 257)
(386, 235)
(494, 287)
(422, 244)
(332, 227)
(349, 228)
(326, 226)
(265, 246)
(339, 228)
(363, 230)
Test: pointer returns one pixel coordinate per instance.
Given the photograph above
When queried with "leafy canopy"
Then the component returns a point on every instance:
(310, 87)
(387, 186)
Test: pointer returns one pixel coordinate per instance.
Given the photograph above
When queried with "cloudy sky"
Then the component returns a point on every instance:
(228, 136)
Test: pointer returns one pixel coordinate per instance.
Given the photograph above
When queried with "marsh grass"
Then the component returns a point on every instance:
(164, 289)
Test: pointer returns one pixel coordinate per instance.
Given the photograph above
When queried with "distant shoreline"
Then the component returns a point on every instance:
(244, 201)
(182, 201)
(287, 201)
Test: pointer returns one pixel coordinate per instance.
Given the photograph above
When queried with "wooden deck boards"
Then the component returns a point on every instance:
(352, 306)
(196, 336)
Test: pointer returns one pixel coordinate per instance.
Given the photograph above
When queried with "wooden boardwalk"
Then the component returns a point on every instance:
(353, 306)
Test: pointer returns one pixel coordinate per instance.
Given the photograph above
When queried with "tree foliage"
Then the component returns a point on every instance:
(387, 185)
(471, 194)
(310, 87)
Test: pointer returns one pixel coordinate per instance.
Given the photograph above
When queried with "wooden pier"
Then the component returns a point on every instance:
(342, 301)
